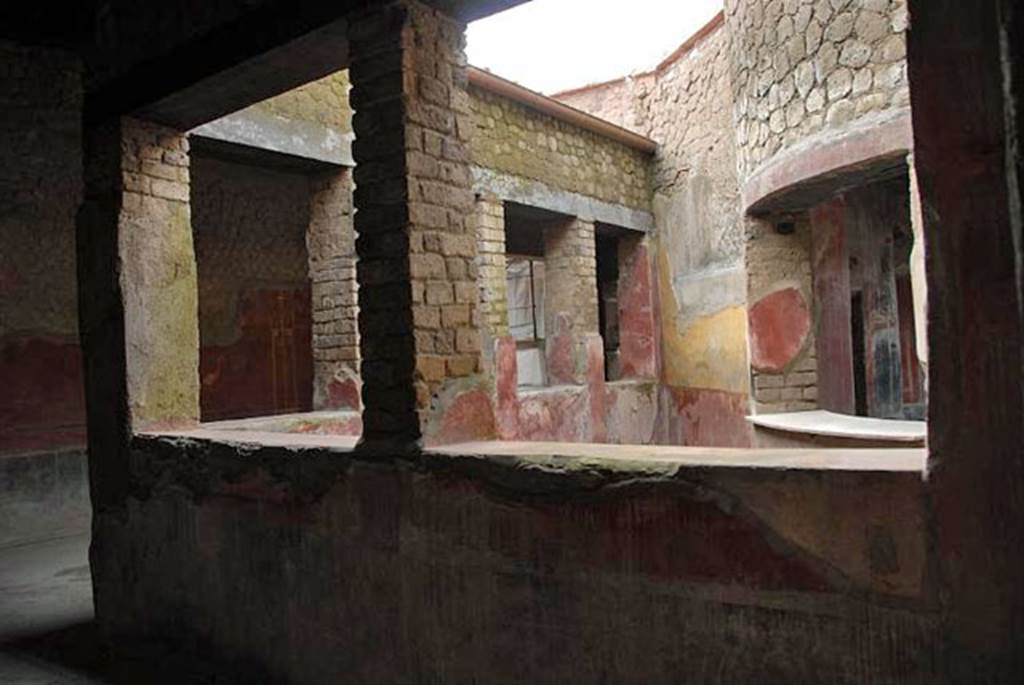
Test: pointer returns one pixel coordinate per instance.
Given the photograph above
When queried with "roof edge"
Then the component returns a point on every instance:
(485, 80)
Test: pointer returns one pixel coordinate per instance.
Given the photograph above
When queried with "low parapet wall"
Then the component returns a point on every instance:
(297, 561)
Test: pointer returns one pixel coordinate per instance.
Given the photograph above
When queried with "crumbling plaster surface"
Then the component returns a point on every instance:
(439, 564)
(687, 106)
(158, 275)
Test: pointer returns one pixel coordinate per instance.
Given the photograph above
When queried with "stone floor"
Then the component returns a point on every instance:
(47, 634)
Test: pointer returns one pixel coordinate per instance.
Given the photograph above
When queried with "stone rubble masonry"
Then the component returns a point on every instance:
(570, 299)
(774, 262)
(803, 66)
(490, 236)
(330, 243)
(158, 276)
(324, 102)
(514, 139)
(416, 242)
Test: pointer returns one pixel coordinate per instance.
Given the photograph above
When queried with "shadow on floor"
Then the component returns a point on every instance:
(75, 655)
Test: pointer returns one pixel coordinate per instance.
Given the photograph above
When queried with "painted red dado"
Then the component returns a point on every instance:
(506, 373)
(706, 418)
(779, 324)
(660, 536)
(343, 394)
(468, 417)
(637, 330)
(561, 353)
(269, 369)
(42, 401)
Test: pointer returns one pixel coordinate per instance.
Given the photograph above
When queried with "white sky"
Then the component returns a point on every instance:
(553, 45)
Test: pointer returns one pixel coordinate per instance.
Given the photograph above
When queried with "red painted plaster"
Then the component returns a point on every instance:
(468, 417)
(269, 369)
(343, 394)
(709, 418)
(42, 402)
(637, 330)
(779, 324)
(832, 304)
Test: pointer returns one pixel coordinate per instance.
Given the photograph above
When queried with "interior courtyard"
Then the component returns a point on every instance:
(327, 356)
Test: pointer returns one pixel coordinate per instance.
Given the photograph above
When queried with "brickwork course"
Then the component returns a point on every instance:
(490, 218)
(570, 298)
(416, 243)
(330, 243)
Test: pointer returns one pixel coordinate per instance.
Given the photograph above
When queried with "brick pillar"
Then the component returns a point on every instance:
(493, 277)
(137, 292)
(570, 299)
(330, 241)
(416, 242)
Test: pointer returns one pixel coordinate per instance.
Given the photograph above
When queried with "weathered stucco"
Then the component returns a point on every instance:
(686, 105)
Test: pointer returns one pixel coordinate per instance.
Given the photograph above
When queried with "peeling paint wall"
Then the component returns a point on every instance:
(698, 245)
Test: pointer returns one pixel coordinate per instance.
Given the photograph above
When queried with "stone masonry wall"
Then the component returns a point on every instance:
(330, 242)
(417, 242)
(805, 66)
(324, 101)
(514, 139)
(570, 299)
(490, 218)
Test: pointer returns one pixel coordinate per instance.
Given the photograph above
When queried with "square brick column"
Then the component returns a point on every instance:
(138, 311)
(571, 321)
(414, 225)
(330, 241)
(493, 269)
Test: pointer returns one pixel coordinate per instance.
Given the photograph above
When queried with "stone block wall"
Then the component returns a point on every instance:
(514, 139)
(806, 66)
(330, 242)
(570, 299)
(416, 240)
(324, 102)
(490, 232)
